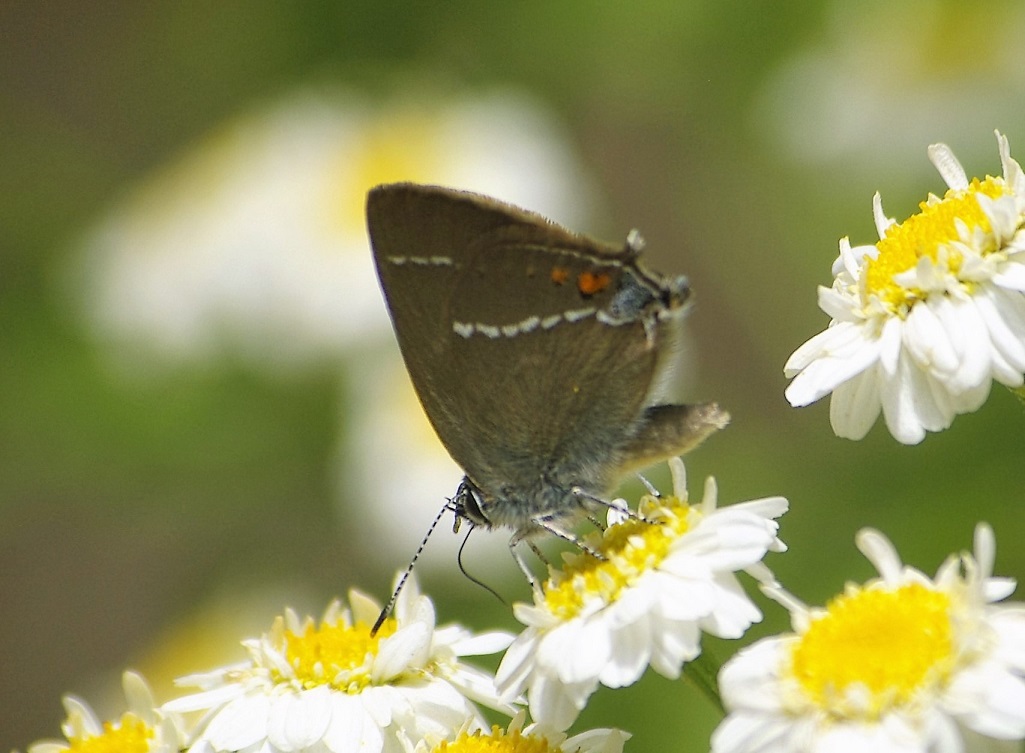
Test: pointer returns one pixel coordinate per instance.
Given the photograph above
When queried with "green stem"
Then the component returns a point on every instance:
(703, 673)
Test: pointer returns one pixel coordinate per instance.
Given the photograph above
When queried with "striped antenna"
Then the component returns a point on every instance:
(409, 570)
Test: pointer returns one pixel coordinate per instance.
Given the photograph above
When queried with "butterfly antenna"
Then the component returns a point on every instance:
(485, 586)
(409, 570)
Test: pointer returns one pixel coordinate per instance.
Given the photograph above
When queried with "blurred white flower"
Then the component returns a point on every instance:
(253, 244)
(878, 79)
(666, 575)
(926, 318)
(142, 729)
(902, 663)
(336, 687)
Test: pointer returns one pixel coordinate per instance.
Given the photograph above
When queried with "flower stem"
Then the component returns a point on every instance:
(703, 673)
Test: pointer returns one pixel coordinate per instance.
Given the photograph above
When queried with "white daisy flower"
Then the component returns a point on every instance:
(665, 576)
(336, 687)
(902, 663)
(143, 728)
(533, 738)
(869, 85)
(926, 318)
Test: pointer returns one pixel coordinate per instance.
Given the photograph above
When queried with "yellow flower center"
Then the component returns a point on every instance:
(335, 654)
(929, 233)
(629, 548)
(132, 735)
(890, 644)
(396, 147)
(497, 742)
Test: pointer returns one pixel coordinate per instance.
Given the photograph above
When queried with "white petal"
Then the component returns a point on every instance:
(837, 305)
(82, 720)
(972, 342)
(948, 166)
(990, 702)
(479, 687)
(1011, 277)
(678, 641)
(139, 697)
(1012, 170)
(1006, 332)
(826, 374)
(634, 603)
(967, 401)
(433, 709)
(577, 651)
(855, 406)
(1001, 370)
(240, 724)
(555, 704)
(984, 548)
(685, 588)
(840, 339)
(1010, 306)
(351, 729)
(910, 404)
(734, 612)
(927, 340)
(882, 221)
(298, 720)
(742, 732)
(899, 412)
(408, 647)
(851, 261)
(891, 343)
(766, 507)
(1009, 625)
(596, 741)
(998, 589)
(207, 699)
(1004, 218)
(749, 680)
(47, 746)
(893, 735)
(883, 555)
(946, 736)
(364, 609)
(483, 644)
(631, 649)
(517, 664)
(408, 603)
(733, 538)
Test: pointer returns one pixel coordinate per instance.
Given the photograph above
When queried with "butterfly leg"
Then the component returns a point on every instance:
(517, 555)
(613, 505)
(549, 524)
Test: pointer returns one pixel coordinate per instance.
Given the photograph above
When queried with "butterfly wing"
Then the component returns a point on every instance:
(533, 349)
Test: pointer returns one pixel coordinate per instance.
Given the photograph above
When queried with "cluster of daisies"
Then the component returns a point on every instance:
(922, 323)
(905, 661)
(925, 319)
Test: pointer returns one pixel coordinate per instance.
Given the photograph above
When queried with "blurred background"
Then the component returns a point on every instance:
(203, 415)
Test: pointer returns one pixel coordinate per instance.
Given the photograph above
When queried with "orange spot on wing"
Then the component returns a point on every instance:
(590, 283)
(560, 275)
